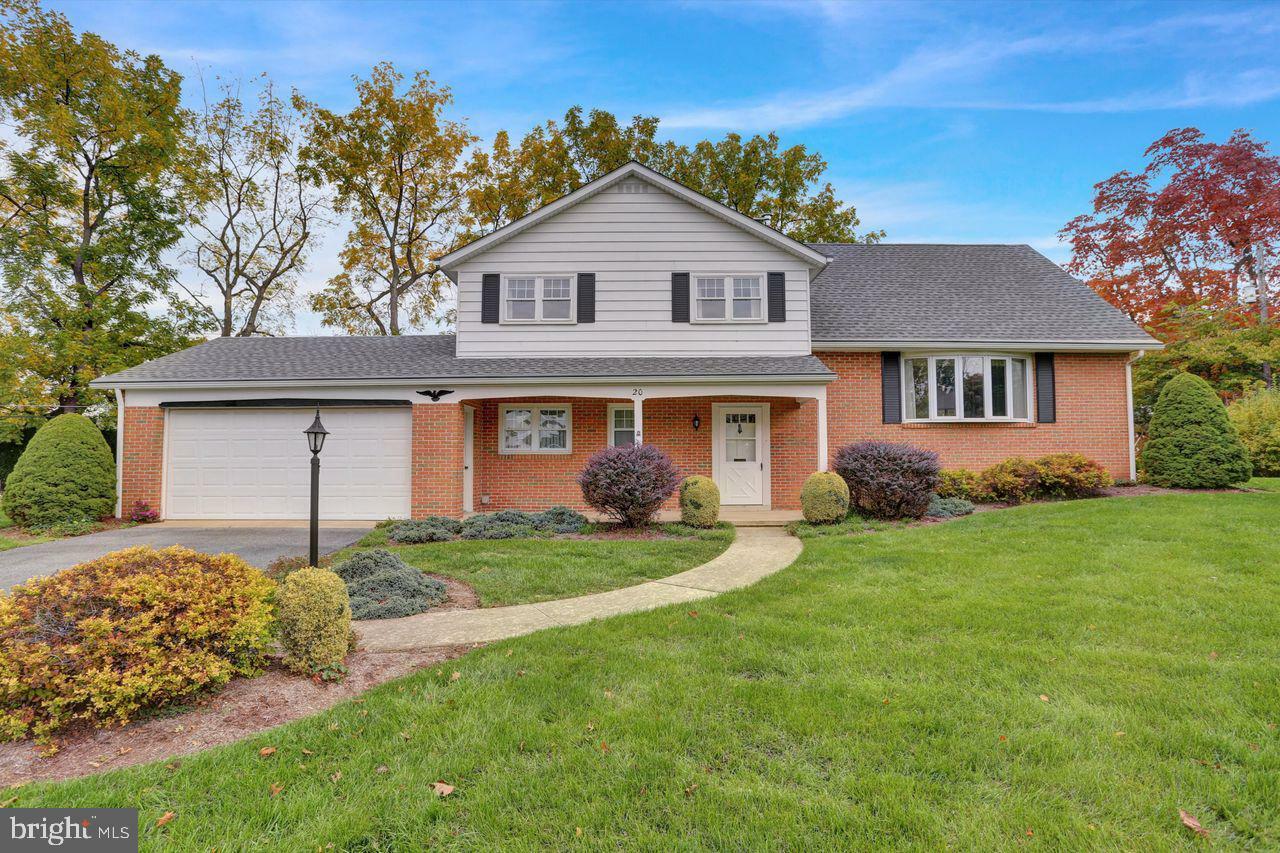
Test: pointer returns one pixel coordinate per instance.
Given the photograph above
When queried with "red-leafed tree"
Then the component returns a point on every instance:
(1198, 225)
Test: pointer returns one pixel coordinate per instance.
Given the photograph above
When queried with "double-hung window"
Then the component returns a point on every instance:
(728, 298)
(966, 387)
(622, 426)
(538, 299)
(535, 429)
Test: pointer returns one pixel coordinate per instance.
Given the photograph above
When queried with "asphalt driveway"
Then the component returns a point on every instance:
(257, 545)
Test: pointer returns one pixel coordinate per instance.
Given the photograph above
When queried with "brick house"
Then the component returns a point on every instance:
(636, 310)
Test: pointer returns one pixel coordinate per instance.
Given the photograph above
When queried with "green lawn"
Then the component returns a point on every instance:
(1266, 484)
(520, 571)
(884, 691)
(9, 540)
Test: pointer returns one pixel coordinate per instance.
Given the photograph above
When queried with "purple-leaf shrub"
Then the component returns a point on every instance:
(888, 480)
(629, 483)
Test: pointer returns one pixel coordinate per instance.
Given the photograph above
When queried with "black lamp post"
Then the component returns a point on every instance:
(315, 440)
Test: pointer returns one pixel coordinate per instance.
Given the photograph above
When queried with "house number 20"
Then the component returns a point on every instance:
(637, 392)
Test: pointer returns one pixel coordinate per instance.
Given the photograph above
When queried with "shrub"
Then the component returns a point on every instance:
(699, 502)
(281, 567)
(1013, 481)
(382, 586)
(314, 620)
(629, 483)
(65, 474)
(435, 528)
(142, 513)
(960, 483)
(491, 526)
(1192, 444)
(134, 630)
(824, 498)
(1256, 418)
(560, 519)
(1070, 475)
(888, 480)
(948, 507)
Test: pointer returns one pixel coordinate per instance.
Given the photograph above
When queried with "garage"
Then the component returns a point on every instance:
(247, 463)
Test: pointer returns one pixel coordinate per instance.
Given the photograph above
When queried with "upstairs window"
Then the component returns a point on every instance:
(966, 387)
(538, 299)
(729, 298)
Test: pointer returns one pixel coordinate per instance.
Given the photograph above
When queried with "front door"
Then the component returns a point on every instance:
(742, 450)
(468, 458)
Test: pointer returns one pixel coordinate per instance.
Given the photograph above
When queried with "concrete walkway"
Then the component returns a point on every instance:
(756, 552)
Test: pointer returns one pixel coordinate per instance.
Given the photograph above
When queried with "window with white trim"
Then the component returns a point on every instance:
(535, 429)
(622, 426)
(538, 299)
(728, 298)
(966, 387)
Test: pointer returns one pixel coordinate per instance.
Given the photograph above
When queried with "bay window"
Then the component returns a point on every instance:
(535, 429)
(965, 387)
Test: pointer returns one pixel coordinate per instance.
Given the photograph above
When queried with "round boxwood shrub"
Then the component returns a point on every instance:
(66, 474)
(699, 501)
(1257, 419)
(314, 618)
(629, 483)
(382, 586)
(824, 498)
(1192, 443)
(132, 631)
(888, 480)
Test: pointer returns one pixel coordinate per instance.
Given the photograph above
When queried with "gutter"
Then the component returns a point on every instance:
(473, 381)
(1064, 346)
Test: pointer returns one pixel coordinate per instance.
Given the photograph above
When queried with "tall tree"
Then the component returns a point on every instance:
(90, 202)
(1186, 230)
(783, 188)
(395, 163)
(257, 216)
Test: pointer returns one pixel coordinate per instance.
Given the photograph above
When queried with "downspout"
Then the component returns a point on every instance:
(1128, 388)
(119, 452)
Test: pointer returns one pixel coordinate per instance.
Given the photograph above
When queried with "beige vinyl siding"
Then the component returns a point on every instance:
(633, 241)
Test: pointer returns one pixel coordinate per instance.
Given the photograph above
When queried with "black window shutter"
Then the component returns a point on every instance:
(490, 295)
(679, 297)
(891, 386)
(586, 297)
(1046, 392)
(777, 297)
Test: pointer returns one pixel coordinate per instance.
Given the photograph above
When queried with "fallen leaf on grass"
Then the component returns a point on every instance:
(1044, 698)
(693, 614)
(688, 792)
(456, 675)
(268, 750)
(1192, 824)
(608, 694)
(1003, 738)
(335, 776)
(1119, 734)
(307, 752)
(8, 802)
(164, 818)
(276, 788)
(442, 788)
(382, 768)
(604, 747)
(404, 735)
(1030, 832)
(577, 831)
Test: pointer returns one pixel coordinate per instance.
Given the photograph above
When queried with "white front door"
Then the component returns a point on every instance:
(468, 458)
(742, 454)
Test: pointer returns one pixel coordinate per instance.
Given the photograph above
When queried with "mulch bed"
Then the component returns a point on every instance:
(243, 708)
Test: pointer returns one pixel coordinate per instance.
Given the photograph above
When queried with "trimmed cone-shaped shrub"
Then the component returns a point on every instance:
(629, 483)
(132, 631)
(824, 498)
(1192, 443)
(1257, 419)
(314, 619)
(888, 480)
(66, 474)
(699, 501)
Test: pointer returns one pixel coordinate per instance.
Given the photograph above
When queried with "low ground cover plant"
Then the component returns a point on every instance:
(505, 524)
(1192, 443)
(315, 622)
(65, 476)
(382, 586)
(629, 484)
(699, 502)
(888, 480)
(948, 507)
(824, 498)
(130, 632)
(434, 528)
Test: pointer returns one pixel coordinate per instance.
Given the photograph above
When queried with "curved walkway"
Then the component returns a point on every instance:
(756, 552)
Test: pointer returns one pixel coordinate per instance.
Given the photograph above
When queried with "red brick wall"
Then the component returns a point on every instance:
(437, 460)
(1092, 415)
(142, 458)
(536, 481)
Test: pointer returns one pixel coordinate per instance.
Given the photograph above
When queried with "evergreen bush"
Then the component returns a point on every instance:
(65, 474)
(1192, 443)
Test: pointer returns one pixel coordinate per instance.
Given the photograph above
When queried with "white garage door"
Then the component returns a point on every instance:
(254, 463)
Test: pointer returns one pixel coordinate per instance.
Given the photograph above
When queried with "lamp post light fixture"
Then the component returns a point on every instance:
(315, 441)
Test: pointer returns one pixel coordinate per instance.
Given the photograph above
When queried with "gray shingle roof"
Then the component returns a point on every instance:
(422, 358)
(928, 292)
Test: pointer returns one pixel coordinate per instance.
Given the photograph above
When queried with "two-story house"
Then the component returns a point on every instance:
(636, 310)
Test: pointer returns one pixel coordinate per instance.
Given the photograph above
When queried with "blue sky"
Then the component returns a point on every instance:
(945, 122)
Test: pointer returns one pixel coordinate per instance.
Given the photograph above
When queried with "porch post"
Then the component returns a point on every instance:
(822, 430)
(639, 408)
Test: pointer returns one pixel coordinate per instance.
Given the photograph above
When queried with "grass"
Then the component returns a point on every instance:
(1266, 484)
(884, 691)
(521, 571)
(12, 537)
